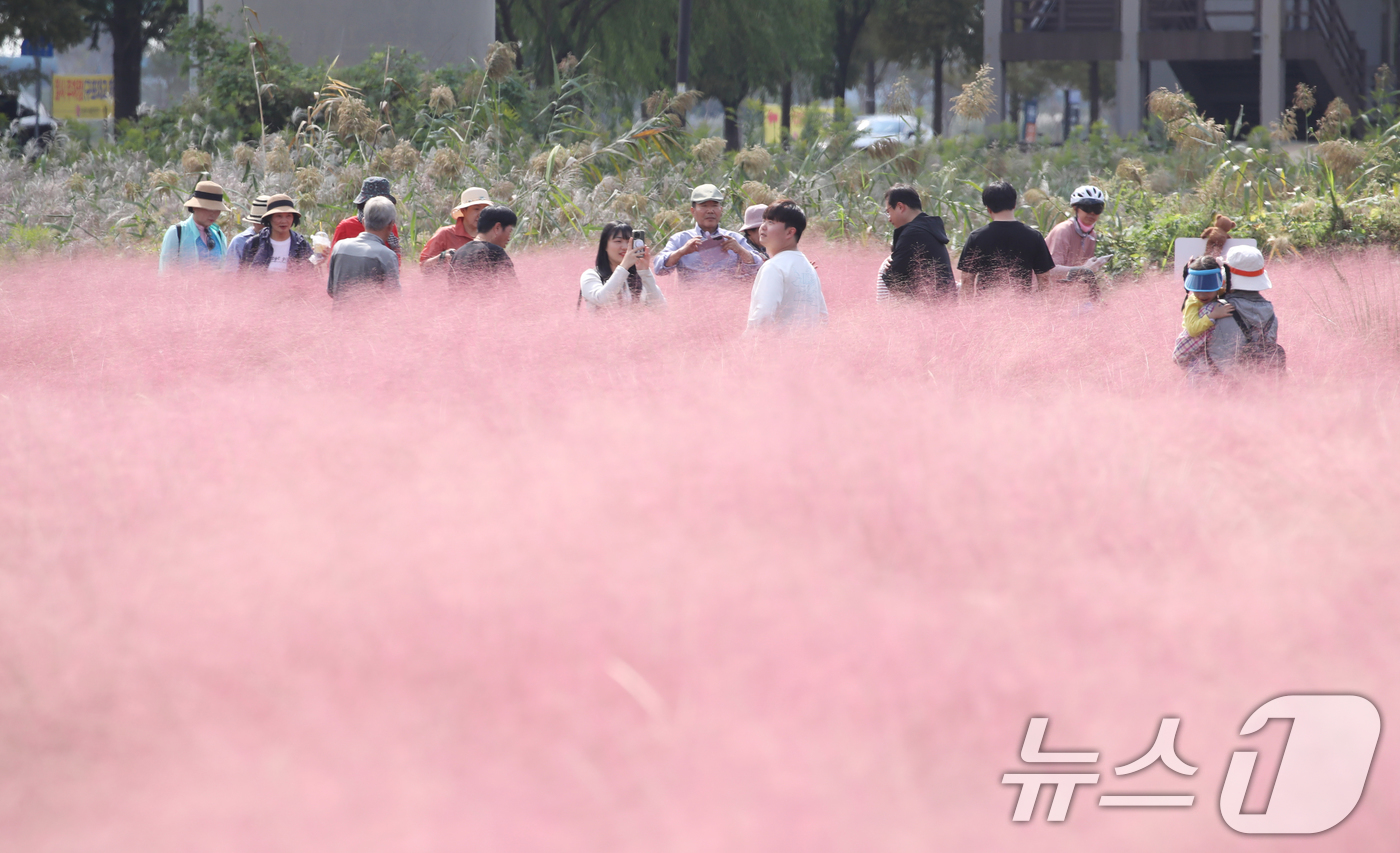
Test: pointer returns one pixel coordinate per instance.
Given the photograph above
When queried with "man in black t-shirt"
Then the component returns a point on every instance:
(1005, 250)
(484, 260)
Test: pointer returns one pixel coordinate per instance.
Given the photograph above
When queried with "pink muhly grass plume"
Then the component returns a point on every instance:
(491, 573)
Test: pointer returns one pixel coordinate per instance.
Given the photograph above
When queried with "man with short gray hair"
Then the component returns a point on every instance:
(365, 263)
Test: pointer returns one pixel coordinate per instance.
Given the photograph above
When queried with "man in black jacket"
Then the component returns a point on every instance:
(918, 264)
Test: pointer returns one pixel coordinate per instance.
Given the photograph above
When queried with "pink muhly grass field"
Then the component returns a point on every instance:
(491, 574)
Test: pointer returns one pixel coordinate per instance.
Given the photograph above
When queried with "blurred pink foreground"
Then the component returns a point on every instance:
(493, 575)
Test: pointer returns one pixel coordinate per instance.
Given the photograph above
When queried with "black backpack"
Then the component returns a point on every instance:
(1258, 352)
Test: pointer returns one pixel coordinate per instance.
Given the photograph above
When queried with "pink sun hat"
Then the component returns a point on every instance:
(753, 216)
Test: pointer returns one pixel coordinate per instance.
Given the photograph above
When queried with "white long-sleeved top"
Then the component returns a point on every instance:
(601, 294)
(787, 292)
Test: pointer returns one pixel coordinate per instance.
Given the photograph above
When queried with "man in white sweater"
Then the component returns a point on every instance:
(787, 291)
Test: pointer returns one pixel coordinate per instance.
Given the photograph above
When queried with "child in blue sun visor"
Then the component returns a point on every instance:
(1204, 279)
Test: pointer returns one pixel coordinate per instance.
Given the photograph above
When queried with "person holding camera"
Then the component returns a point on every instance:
(1074, 242)
(621, 274)
(707, 251)
(437, 254)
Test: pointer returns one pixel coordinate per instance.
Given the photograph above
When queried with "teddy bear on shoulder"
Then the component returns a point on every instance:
(1216, 235)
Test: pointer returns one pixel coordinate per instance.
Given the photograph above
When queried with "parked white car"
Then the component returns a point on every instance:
(902, 128)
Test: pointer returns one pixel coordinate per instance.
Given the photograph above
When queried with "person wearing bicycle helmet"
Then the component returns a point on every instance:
(1074, 242)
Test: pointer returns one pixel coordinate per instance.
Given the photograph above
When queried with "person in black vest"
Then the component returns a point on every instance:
(918, 264)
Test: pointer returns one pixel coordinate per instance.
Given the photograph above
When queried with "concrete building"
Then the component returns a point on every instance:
(1227, 54)
(445, 32)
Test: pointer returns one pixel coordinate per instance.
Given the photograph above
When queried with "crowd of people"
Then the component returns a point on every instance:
(365, 256)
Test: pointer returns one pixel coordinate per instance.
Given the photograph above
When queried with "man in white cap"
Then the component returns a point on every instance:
(254, 222)
(450, 238)
(1248, 340)
(707, 251)
(197, 240)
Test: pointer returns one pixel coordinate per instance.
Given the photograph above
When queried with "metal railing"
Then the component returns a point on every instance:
(1160, 15)
(1323, 16)
(1061, 16)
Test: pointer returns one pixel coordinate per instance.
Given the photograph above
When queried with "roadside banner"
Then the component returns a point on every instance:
(85, 96)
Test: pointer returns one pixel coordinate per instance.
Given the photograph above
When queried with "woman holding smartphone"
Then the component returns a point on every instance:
(621, 274)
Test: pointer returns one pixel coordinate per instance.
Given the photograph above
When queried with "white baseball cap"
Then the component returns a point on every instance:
(1246, 265)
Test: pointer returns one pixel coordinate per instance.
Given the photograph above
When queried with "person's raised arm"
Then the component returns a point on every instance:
(651, 293)
(680, 245)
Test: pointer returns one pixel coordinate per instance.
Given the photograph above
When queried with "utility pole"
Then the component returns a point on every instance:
(682, 48)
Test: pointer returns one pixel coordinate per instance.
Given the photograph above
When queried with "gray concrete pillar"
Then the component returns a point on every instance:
(1271, 78)
(1130, 79)
(991, 53)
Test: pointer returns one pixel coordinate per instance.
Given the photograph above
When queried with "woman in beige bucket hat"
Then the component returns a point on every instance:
(450, 238)
(197, 240)
(277, 248)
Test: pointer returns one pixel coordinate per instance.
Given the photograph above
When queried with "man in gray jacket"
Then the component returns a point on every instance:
(365, 263)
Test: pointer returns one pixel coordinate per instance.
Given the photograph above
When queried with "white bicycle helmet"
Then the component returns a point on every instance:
(1089, 194)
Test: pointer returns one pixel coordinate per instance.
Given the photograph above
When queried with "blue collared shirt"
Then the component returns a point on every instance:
(718, 263)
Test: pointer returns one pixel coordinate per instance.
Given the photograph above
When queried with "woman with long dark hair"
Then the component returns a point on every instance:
(621, 273)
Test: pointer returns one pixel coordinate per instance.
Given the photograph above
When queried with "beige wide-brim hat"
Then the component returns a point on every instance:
(208, 196)
(255, 213)
(472, 197)
(281, 203)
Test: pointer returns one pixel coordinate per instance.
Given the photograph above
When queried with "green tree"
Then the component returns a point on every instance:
(741, 47)
(132, 24)
(548, 30)
(55, 22)
(930, 33)
(226, 79)
(848, 22)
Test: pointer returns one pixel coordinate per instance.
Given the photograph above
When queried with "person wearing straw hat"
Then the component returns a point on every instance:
(450, 238)
(353, 226)
(196, 240)
(1250, 342)
(277, 248)
(253, 220)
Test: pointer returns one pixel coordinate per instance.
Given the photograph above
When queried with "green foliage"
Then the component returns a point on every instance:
(55, 22)
(568, 154)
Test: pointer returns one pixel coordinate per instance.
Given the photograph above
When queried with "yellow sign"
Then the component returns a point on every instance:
(772, 121)
(87, 96)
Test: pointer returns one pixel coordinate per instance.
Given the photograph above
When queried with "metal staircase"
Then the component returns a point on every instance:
(1211, 45)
